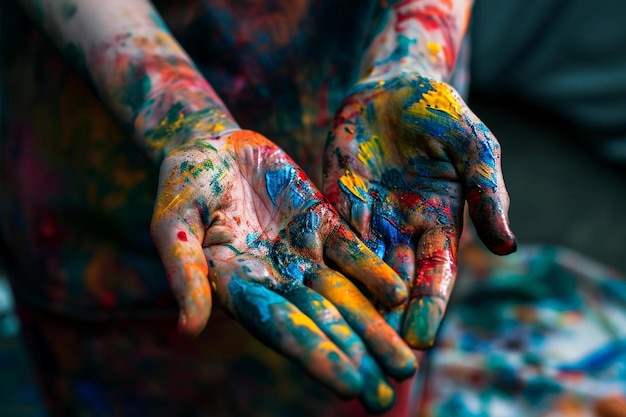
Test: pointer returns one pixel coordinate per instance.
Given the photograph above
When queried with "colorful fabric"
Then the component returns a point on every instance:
(539, 333)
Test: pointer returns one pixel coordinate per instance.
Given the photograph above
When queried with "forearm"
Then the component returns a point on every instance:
(126, 52)
(419, 36)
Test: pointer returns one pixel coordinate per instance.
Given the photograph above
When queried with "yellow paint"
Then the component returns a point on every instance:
(341, 330)
(298, 319)
(384, 393)
(433, 47)
(169, 126)
(355, 184)
(485, 170)
(326, 346)
(371, 153)
(442, 99)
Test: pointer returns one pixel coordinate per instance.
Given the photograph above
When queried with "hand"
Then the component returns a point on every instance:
(237, 209)
(402, 157)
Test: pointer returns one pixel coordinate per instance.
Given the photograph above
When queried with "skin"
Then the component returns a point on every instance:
(405, 153)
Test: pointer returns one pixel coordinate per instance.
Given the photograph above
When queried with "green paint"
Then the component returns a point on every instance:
(422, 322)
(134, 95)
(196, 170)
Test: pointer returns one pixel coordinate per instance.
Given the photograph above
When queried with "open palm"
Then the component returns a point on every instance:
(237, 210)
(402, 158)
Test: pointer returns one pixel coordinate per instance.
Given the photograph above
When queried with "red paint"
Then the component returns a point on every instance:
(410, 200)
(182, 236)
(308, 283)
(430, 17)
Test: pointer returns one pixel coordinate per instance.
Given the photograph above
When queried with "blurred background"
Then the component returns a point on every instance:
(549, 78)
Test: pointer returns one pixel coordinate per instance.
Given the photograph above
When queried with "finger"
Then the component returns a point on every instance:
(357, 211)
(186, 268)
(281, 326)
(358, 262)
(393, 354)
(436, 273)
(378, 394)
(486, 193)
(401, 259)
(344, 187)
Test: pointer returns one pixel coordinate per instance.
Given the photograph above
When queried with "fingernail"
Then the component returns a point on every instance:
(422, 322)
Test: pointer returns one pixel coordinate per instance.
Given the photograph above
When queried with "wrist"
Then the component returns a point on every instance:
(407, 67)
(163, 101)
(181, 127)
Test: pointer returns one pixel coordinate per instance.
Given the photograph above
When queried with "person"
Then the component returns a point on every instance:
(212, 116)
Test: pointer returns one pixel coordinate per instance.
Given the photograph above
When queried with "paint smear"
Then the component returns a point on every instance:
(354, 184)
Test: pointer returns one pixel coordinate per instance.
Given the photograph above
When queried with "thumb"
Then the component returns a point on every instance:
(186, 268)
(486, 194)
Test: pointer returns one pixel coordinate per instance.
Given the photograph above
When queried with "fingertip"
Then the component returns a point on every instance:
(506, 247)
(192, 324)
(380, 399)
(491, 221)
(393, 290)
(422, 322)
(195, 309)
(405, 367)
(499, 240)
(357, 261)
(396, 294)
(400, 362)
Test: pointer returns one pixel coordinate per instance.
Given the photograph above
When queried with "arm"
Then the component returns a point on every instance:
(123, 48)
(421, 37)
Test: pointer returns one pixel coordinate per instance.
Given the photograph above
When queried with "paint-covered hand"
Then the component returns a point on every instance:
(236, 219)
(402, 158)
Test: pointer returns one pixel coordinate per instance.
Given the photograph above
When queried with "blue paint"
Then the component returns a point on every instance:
(277, 181)
(251, 238)
(304, 230)
(389, 231)
(253, 301)
(600, 359)
(402, 50)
